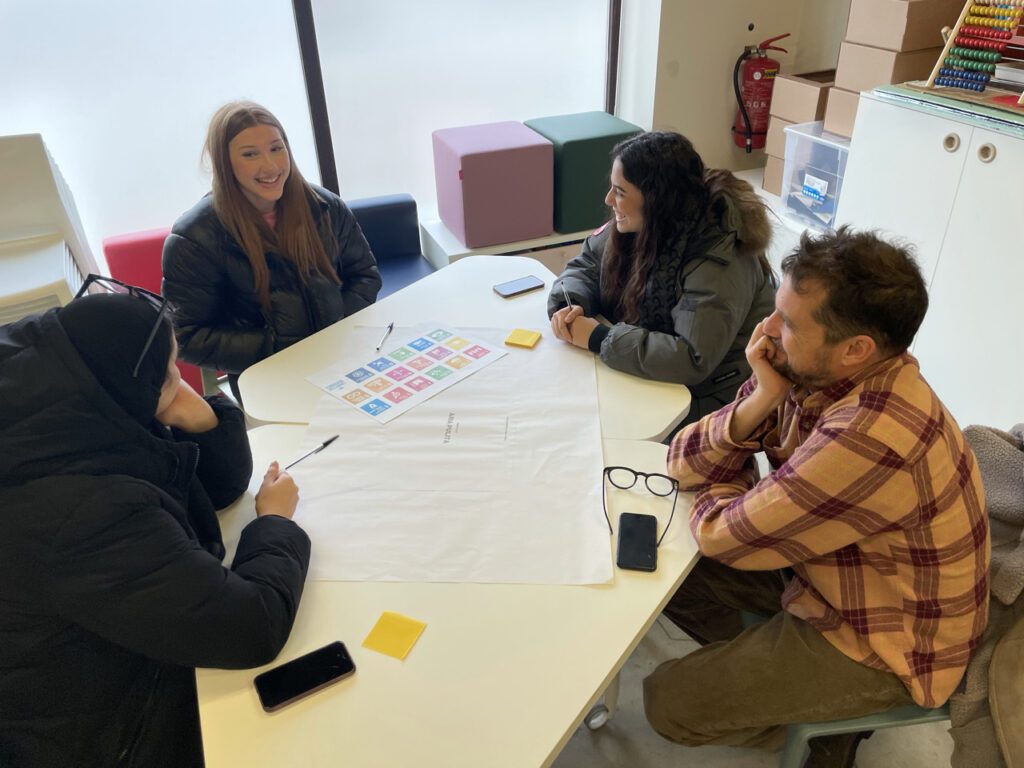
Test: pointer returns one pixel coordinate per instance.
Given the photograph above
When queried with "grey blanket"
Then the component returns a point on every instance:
(1001, 460)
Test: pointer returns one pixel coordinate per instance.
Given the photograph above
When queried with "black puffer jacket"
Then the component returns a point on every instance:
(219, 320)
(109, 591)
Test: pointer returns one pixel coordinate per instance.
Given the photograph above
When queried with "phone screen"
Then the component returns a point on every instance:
(638, 547)
(518, 286)
(304, 675)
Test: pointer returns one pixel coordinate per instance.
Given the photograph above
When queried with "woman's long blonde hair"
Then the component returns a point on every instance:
(296, 235)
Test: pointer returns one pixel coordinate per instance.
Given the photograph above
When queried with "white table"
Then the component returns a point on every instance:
(502, 675)
(460, 295)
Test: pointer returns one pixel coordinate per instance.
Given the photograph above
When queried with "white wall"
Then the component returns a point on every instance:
(122, 92)
(697, 50)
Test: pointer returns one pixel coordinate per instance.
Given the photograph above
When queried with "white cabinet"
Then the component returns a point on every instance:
(949, 187)
(901, 177)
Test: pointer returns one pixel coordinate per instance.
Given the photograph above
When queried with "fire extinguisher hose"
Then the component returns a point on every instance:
(749, 133)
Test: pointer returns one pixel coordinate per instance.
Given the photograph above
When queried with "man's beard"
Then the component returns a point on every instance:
(818, 378)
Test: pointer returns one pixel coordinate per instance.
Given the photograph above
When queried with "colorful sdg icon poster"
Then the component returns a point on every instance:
(399, 379)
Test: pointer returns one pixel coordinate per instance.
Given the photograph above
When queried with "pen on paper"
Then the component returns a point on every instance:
(319, 448)
(387, 332)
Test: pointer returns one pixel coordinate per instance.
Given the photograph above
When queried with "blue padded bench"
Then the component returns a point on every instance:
(392, 229)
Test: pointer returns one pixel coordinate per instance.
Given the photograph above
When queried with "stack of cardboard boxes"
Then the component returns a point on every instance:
(887, 41)
(795, 99)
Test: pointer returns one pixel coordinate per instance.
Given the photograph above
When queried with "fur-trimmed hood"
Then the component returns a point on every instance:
(740, 209)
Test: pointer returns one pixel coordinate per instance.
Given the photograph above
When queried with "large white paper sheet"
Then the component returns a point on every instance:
(495, 480)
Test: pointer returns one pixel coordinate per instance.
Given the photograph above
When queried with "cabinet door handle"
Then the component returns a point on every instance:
(987, 152)
(951, 142)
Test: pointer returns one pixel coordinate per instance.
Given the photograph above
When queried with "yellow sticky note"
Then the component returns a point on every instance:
(394, 635)
(521, 337)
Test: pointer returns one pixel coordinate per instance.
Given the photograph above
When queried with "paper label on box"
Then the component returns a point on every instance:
(815, 188)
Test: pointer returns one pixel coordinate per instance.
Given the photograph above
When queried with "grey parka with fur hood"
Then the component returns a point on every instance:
(705, 295)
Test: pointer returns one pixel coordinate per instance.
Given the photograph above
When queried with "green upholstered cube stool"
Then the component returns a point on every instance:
(583, 143)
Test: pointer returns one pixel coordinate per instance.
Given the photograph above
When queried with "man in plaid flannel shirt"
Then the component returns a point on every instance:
(867, 545)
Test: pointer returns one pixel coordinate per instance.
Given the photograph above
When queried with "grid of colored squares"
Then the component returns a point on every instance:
(412, 368)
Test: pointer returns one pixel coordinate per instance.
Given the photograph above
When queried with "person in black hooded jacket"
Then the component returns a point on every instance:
(111, 585)
(266, 259)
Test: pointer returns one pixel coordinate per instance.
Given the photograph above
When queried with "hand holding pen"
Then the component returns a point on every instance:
(561, 321)
(278, 494)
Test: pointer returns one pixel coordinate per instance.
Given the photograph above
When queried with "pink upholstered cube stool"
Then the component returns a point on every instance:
(495, 183)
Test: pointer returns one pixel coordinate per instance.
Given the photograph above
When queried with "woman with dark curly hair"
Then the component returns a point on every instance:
(679, 272)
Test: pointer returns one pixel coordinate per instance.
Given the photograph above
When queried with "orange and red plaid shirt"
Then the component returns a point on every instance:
(875, 501)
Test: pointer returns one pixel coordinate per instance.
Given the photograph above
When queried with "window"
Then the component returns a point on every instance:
(396, 70)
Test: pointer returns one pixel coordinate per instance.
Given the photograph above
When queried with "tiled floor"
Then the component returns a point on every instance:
(627, 741)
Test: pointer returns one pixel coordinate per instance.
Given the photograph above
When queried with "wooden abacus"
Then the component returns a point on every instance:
(976, 45)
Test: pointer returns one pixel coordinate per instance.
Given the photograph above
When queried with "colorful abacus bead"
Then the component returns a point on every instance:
(975, 43)
(997, 34)
(977, 77)
(1001, 12)
(955, 82)
(983, 21)
(972, 53)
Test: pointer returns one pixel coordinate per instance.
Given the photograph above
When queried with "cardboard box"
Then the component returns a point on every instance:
(775, 141)
(901, 25)
(841, 111)
(801, 98)
(861, 67)
(773, 175)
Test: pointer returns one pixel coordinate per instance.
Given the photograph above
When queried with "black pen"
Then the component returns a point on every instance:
(319, 448)
(387, 332)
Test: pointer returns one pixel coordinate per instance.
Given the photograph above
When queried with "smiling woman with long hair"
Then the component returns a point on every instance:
(679, 271)
(267, 258)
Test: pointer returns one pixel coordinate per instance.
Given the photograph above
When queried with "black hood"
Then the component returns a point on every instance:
(56, 418)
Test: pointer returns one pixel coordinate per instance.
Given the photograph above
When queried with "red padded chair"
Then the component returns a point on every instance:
(135, 258)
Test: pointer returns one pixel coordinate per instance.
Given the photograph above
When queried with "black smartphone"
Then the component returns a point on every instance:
(518, 286)
(300, 677)
(638, 545)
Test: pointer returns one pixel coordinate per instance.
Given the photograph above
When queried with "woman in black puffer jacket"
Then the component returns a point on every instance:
(266, 259)
(111, 582)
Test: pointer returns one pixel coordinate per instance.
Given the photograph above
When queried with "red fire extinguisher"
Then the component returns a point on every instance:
(754, 95)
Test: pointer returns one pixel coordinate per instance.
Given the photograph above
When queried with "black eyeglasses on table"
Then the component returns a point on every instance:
(657, 484)
(157, 301)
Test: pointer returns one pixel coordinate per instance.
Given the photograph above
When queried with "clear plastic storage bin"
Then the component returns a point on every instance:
(813, 175)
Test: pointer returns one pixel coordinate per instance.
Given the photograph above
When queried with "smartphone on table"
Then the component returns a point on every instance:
(518, 286)
(300, 677)
(638, 545)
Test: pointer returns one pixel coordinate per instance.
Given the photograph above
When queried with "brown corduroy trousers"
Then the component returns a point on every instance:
(745, 685)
